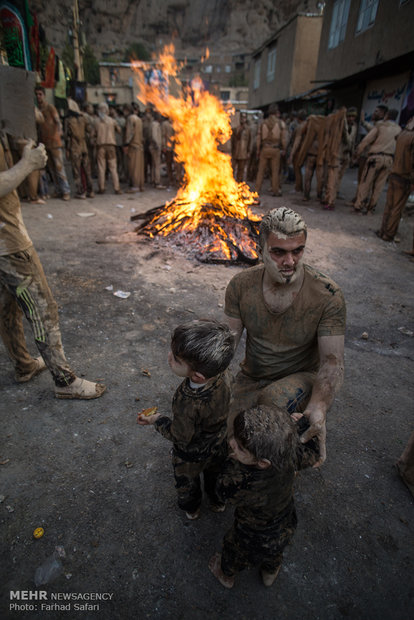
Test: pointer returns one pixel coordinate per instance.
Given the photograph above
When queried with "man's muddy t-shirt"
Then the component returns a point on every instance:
(282, 343)
(13, 234)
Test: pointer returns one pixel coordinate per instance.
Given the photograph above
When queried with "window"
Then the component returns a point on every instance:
(271, 64)
(218, 69)
(225, 95)
(338, 23)
(208, 69)
(367, 14)
(227, 68)
(256, 77)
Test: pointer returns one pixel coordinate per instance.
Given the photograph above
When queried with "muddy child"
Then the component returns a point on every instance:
(265, 453)
(201, 351)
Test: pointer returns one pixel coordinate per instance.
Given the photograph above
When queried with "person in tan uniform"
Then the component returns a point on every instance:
(24, 289)
(336, 159)
(77, 151)
(241, 147)
(271, 142)
(348, 150)
(400, 182)
(106, 148)
(297, 139)
(167, 140)
(90, 137)
(381, 141)
(50, 134)
(155, 150)
(134, 143)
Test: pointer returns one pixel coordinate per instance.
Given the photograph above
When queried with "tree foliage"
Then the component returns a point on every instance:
(90, 66)
(136, 51)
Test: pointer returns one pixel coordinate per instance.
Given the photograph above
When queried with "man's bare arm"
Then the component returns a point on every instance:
(327, 383)
(32, 159)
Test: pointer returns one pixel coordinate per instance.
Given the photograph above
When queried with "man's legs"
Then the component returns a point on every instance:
(275, 167)
(23, 277)
(291, 393)
(12, 332)
(101, 162)
(309, 170)
(112, 165)
(76, 161)
(384, 163)
(397, 196)
(365, 184)
(261, 171)
(58, 171)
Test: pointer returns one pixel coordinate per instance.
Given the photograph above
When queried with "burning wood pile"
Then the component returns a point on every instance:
(210, 217)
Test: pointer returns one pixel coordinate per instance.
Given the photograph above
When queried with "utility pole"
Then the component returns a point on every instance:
(77, 55)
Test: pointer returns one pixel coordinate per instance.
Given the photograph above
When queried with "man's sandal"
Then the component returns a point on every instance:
(80, 389)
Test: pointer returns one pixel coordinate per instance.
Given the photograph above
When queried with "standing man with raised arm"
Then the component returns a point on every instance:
(294, 317)
(24, 289)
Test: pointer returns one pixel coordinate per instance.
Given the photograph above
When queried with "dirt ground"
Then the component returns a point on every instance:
(102, 487)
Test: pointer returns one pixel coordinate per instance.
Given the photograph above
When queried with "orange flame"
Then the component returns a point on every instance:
(200, 124)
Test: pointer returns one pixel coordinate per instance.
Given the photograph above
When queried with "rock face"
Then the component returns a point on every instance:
(223, 25)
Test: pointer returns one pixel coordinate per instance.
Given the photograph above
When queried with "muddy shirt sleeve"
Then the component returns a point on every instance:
(333, 319)
(232, 300)
(180, 430)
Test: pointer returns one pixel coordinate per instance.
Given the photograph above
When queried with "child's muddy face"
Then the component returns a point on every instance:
(178, 366)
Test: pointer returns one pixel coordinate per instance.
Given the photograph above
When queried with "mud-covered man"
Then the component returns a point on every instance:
(24, 289)
(294, 317)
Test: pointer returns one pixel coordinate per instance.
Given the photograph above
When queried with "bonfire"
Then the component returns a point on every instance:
(210, 216)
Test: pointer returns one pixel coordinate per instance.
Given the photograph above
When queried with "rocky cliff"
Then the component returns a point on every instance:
(224, 25)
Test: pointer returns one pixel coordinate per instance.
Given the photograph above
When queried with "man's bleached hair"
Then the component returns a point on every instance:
(207, 346)
(268, 433)
(282, 221)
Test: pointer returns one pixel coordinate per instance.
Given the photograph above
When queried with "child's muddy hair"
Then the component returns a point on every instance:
(207, 346)
(268, 433)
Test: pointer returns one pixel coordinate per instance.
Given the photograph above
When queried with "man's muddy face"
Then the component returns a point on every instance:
(40, 96)
(282, 257)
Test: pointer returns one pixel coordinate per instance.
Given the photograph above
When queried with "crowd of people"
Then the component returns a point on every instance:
(136, 149)
(298, 146)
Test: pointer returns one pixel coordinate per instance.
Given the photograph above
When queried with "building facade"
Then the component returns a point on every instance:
(285, 65)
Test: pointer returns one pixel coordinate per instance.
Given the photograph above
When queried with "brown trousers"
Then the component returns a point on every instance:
(310, 167)
(24, 289)
(80, 162)
(136, 166)
(106, 154)
(397, 196)
(298, 176)
(239, 168)
(290, 393)
(334, 178)
(156, 165)
(372, 182)
(269, 155)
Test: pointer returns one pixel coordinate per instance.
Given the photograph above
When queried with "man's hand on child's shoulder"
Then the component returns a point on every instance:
(148, 416)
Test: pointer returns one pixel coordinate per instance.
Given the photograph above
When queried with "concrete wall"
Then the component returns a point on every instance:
(308, 34)
(390, 36)
(297, 46)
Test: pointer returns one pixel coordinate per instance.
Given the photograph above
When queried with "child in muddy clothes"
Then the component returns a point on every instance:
(258, 478)
(201, 351)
